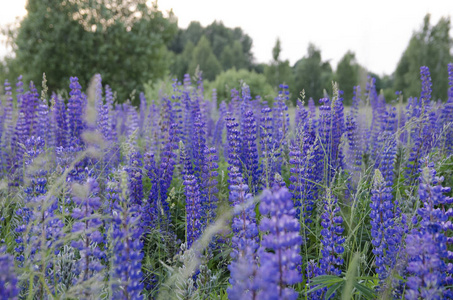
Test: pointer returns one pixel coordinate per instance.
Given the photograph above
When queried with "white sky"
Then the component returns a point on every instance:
(378, 31)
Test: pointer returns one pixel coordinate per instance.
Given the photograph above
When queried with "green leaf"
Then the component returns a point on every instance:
(332, 289)
(325, 279)
(366, 291)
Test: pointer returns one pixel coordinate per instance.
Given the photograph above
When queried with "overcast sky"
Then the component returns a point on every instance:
(377, 31)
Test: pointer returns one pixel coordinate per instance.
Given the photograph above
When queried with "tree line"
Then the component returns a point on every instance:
(131, 43)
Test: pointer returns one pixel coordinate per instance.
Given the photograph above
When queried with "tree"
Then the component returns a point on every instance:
(312, 74)
(347, 75)
(233, 79)
(204, 58)
(279, 71)
(124, 41)
(431, 47)
(232, 56)
(231, 47)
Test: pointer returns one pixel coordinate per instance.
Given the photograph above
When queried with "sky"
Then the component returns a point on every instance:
(376, 31)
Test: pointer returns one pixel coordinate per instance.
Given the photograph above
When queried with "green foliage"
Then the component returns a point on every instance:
(124, 41)
(312, 74)
(233, 78)
(204, 59)
(347, 75)
(278, 71)
(431, 47)
(231, 47)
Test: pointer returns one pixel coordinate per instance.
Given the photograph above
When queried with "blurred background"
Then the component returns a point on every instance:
(139, 44)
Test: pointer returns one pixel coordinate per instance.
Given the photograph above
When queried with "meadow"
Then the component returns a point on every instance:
(180, 198)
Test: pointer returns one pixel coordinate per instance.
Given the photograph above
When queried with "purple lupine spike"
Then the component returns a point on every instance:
(75, 110)
(109, 97)
(427, 246)
(244, 266)
(267, 144)
(332, 248)
(278, 270)
(302, 180)
(43, 123)
(250, 152)
(386, 159)
(209, 185)
(356, 100)
(20, 135)
(127, 245)
(193, 209)
(143, 109)
(150, 211)
(132, 124)
(338, 130)
(166, 168)
(219, 126)
(38, 214)
(312, 107)
(354, 153)
(447, 111)
(134, 171)
(385, 237)
(235, 104)
(234, 146)
(19, 92)
(193, 200)
(33, 191)
(98, 101)
(86, 227)
(31, 107)
(377, 110)
(8, 118)
(425, 96)
(421, 136)
(8, 279)
(199, 146)
(331, 237)
(280, 115)
(326, 137)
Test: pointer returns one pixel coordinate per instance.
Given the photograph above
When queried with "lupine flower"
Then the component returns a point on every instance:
(199, 146)
(267, 148)
(250, 152)
(244, 266)
(356, 101)
(167, 166)
(127, 246)
(234, 146)
(134, 171)
(332, 240)
(209, 185)
(312, 107)
(422, 134)
(75, 109)
(219, 126)
(385, 237)
(87, 225)
(301, 158)
(193, 209)
(8, 279)
(447, 111)
(8, 123)
(278, 268)
(150, 211)
(354, 154)
(426, 247)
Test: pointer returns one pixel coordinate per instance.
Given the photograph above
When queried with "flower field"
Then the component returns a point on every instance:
(181, 199)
